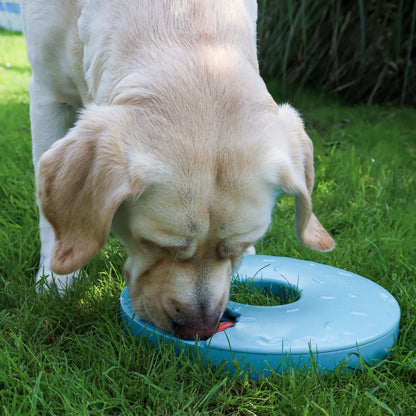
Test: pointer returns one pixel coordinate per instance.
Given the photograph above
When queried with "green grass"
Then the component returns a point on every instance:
(69, 356)
(251, 292)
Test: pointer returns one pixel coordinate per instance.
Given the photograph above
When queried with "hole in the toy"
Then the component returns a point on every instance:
(258, 293)
(263, 292)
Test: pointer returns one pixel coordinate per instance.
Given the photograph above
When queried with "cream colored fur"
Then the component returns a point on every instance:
(149, 118)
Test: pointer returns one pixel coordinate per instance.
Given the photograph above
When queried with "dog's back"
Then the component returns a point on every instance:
(88, 46)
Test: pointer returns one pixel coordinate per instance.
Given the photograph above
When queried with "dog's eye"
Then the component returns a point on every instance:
(168, 249)
(184, 251)
(226, 250)
(149, 244)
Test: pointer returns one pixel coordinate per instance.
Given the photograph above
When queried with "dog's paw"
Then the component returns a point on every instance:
(47, 281)
(250, 251)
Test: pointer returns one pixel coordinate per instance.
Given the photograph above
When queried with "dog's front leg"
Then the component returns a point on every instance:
(50, 120)
(251, 6)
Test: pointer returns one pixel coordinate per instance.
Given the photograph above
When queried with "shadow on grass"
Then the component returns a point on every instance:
(14, 120)
(25, 69)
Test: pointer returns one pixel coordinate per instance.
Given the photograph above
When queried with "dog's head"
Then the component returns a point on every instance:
(186, 201)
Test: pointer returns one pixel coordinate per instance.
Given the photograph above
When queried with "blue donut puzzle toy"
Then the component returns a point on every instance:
(338, 317)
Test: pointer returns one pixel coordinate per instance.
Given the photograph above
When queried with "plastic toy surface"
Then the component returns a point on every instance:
(339, 317)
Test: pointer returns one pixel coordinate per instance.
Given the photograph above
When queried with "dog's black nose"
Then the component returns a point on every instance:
(192, 330)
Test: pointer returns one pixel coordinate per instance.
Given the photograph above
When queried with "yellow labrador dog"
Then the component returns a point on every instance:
(149, 118)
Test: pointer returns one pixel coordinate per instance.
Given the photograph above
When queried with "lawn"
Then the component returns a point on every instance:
(69, 356)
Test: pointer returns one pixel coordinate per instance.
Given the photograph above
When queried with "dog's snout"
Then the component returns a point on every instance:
(195, 320)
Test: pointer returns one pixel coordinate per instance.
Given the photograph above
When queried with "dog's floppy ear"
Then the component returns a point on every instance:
(81, 181)
(295, 175)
